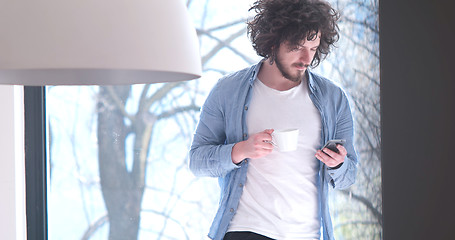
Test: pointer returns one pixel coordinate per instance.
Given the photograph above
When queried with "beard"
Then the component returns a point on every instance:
(297, 77)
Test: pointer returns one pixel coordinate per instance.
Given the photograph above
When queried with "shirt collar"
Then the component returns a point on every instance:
(255, 72)
(311, 83)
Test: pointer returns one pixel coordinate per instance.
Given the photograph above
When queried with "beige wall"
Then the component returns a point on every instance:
(12, 187)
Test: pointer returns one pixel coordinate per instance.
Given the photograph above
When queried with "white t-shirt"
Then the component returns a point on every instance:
(280, 196)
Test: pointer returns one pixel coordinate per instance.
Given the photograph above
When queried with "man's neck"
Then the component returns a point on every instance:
(271, 76)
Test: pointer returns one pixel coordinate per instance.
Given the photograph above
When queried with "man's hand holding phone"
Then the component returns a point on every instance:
(332, 153)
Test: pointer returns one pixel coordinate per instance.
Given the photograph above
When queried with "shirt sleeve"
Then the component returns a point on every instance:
(209, 153)
(344, 176)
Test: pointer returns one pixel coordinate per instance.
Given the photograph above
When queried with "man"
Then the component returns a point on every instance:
(265, 193)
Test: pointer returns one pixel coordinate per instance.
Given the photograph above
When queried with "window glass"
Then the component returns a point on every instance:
(118, 155)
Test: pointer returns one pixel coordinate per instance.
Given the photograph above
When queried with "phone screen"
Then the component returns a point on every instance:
(332, 144)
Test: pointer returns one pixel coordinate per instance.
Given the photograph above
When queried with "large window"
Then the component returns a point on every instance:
(117, 155)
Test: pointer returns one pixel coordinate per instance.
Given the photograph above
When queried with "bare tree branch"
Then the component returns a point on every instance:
(355, 223)
(143, 98)
(72, 138)
(92, 228)
(367, 203)
(221, 45)
(363, 23)
(188, 3)
(226, 25)
(365, 47)
(178, 110)
(167, 216)
(243, 56)
(372, 79)
(222, 72)
(160, 93)
(118, 103)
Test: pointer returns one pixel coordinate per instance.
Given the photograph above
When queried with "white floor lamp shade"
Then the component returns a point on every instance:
(96, 42)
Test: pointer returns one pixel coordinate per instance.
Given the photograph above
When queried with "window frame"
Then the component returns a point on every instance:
(35, 162)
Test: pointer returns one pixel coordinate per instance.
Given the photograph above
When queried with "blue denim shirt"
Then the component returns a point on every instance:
(223, 123)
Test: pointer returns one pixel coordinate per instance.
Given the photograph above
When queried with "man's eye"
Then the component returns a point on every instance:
(295, 49)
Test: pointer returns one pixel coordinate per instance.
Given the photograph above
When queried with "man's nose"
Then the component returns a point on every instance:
(306, 57)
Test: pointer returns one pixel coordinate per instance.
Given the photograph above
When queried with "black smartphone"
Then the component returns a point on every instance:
(332, 144)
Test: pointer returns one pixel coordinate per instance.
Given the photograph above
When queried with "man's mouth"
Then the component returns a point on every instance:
(301, 66)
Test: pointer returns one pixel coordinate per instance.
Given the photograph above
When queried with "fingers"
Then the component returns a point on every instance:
(328, 160)
(262, 140)
(264, 136)
(331, 158)
(264, 144)
(342, 150)
(260, 150)
(256, 146)
(269, 131)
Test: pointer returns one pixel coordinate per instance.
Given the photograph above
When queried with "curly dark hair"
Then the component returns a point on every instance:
(277, 21)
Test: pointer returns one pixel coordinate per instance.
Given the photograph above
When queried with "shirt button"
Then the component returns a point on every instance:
(246, 108)
(240, 185)
(231, 210)
(244, 135)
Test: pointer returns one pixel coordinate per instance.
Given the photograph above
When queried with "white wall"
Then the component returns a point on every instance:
(12, 170)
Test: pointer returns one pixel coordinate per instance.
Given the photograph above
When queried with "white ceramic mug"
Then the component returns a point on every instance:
(285, 140)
